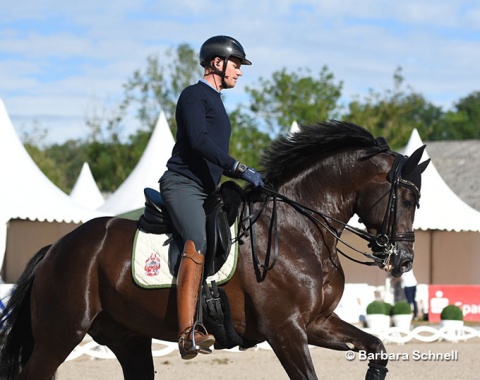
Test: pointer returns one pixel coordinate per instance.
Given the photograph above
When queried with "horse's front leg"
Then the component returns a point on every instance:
(337, 334)
(290, 344)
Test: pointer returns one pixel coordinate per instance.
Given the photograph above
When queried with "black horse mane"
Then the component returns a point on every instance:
(293, 149)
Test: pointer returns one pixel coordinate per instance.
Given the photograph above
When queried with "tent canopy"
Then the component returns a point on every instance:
(440, 208)
(27, 193)
(129, 196)
(85, 192)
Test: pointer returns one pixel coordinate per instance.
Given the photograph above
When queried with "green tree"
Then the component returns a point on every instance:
(110, 158)
(394, 113)
(295, 96)
(158, 86)
(465, 121)
(146, 93)
(61, 163)
(247, 142)
(111, 163)
(68, 158)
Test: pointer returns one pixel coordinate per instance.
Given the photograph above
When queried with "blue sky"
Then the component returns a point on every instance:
(59, 59)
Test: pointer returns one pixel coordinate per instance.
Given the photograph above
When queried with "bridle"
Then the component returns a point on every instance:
(383, 244)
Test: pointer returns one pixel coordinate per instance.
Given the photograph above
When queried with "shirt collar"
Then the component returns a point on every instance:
(206, 82)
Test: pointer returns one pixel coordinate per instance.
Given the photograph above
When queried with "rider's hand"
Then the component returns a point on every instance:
(242, 171)
(252, 176)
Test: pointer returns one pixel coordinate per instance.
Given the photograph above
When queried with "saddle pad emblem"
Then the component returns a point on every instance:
(150, 262)
(152, 265)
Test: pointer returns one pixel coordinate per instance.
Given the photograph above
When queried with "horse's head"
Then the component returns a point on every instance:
(387, 207)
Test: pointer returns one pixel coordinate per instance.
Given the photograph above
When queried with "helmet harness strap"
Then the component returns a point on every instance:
(221, 73)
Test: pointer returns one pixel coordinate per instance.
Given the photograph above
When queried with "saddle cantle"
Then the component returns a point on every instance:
(220, 208)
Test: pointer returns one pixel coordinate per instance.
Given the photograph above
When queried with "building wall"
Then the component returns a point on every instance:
(24, 239)
(441, 257)
(455, 258)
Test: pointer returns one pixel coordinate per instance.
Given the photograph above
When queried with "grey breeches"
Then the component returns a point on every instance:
(184, 200)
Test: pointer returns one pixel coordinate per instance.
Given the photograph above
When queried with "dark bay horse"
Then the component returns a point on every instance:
(325, 174)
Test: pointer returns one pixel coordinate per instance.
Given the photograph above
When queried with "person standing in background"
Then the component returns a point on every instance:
(409, 285)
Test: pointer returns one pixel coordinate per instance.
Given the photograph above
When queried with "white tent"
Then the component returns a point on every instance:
(26, 193)
(85, 192)
(129, 196)
(440, 208)
(295, 127)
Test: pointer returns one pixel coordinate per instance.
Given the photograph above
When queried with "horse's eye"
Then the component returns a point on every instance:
(407, 203)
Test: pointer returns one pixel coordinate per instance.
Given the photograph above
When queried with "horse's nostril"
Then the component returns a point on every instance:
(406, 266)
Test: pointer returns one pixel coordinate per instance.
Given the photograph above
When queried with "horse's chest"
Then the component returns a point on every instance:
(332, 289)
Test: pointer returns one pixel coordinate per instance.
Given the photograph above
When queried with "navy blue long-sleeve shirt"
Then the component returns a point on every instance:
(203, 136)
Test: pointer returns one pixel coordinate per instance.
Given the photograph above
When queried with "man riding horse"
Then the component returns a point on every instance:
(199, 158)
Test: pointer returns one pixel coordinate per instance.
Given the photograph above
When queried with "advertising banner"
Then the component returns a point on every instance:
(466, 297)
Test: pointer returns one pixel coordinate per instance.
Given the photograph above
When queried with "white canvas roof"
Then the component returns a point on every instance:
(85, 192)
(26, 193)
(440, 208)
(129, 196)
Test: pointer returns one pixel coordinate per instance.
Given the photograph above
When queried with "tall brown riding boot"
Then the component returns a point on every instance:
(190, 341)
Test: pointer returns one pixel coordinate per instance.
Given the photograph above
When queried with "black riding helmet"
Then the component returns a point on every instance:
(223, 47)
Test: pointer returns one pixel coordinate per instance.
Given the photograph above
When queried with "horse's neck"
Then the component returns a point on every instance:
(330, 186)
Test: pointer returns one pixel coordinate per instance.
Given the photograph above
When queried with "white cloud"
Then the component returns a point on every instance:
(56, 56)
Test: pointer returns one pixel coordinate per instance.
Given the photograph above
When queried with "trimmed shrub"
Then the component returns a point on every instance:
(401, 307)
(452, 313)
(376, 307)
(388, 308)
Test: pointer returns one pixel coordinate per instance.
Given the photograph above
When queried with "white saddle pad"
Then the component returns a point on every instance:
(150, 262)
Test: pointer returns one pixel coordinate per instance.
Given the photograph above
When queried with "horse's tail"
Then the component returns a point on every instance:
(16, 339)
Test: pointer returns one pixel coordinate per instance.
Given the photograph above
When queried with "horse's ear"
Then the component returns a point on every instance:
(421, 167)
(413, 161)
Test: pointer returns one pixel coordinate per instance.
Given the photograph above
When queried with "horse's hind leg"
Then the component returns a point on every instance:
(135, 357)
(336, 334)
(133, 352)
(45, 360)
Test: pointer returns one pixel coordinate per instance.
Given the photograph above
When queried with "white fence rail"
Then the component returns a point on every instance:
(396, 335)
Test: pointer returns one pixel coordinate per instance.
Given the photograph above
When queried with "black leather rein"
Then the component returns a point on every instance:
(383, 244)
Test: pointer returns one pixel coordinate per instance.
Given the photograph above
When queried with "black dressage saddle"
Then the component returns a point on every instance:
(220, 208)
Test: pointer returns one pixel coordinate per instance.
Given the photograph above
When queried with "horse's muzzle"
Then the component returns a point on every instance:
(401, 263)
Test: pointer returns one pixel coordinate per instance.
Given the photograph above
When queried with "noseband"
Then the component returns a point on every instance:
(383, 244)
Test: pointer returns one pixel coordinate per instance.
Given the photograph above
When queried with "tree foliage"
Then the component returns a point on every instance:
(465, 122)
(146, 93)
(159, 85)
(248, 142)
(295, 96)
(395, 112)
(274, 103)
